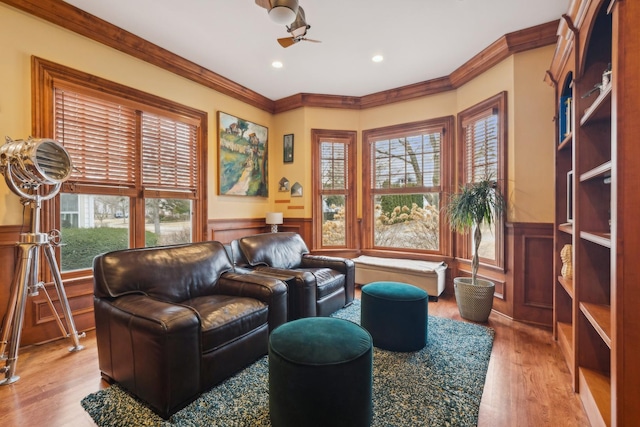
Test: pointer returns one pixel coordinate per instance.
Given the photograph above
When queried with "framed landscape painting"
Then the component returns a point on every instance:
(242, 154)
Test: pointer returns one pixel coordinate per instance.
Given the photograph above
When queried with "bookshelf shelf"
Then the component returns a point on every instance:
(597, 313)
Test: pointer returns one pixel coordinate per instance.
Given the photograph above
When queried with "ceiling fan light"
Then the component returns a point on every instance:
(283, 11)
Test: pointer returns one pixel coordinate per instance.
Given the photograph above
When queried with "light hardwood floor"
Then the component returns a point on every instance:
(528, 383)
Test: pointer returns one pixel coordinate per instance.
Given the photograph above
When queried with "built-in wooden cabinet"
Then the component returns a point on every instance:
(596, 73)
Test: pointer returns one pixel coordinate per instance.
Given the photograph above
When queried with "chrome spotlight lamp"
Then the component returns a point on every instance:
(34, 170)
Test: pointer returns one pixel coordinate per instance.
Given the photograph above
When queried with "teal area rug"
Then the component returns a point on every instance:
(440, 385)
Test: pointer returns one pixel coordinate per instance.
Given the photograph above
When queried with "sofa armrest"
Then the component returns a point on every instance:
(302, 288)
(345, 266)
(150, 347)
(271, 291)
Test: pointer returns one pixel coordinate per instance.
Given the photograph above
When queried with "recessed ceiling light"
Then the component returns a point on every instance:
(377, 58)
(276, 64)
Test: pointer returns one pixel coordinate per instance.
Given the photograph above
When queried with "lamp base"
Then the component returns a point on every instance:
(274, 228)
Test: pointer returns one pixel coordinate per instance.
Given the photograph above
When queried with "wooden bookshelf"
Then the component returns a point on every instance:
(597, 312)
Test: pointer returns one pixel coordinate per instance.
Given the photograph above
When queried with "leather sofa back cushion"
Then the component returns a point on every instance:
(170, 273)
(279, 250)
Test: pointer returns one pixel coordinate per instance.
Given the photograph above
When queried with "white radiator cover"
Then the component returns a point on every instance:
(426, 275)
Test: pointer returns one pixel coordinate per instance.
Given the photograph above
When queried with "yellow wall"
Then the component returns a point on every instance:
(530, 129)
(534, 157)
(530, 105)
(22, 35)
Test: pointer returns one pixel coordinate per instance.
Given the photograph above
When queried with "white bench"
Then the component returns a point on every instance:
(426, 275)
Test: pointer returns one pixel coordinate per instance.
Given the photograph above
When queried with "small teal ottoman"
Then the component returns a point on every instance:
(395, 314)
(320, 374)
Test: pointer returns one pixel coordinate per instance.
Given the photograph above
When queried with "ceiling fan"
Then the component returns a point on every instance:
(288, 11)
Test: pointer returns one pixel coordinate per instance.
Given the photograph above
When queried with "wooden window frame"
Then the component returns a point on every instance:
(446, 124)
(497, 104)
(46, 75)
(349, 138)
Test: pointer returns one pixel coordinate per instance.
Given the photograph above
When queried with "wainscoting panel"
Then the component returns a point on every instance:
(226, 230)
(533, 272)
(523, 291)
(40, 324)
(9, 235)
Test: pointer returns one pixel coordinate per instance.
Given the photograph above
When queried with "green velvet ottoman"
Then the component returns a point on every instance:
(320, 374)
(395, 314)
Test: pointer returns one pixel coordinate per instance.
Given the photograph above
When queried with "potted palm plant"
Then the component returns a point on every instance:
(477, 204)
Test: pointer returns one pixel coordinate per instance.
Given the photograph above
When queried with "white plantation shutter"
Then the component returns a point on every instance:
(100, 137)
(483, 157)
(481, 147)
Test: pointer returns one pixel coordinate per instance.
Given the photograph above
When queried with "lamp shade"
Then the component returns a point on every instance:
(274, 218)
(283, 11)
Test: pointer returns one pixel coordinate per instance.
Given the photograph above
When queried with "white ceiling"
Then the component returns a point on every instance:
(419, 39)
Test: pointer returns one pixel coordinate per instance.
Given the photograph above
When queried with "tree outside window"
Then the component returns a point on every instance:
(404, 169)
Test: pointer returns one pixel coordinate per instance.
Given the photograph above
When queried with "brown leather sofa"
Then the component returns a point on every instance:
(318, 285)
(173, 321)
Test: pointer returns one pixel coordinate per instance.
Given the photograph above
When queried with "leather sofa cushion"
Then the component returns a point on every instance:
(170, 273)
(225, 318)
(278, 250)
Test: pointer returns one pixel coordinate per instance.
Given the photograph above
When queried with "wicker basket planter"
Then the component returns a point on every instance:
(474, 301)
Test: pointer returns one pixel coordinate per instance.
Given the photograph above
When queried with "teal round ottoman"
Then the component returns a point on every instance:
(395, 314)
(320, 374)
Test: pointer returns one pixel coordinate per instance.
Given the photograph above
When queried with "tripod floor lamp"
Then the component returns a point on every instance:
(34, 170)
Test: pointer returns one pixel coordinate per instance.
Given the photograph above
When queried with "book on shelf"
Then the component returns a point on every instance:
(565, 113)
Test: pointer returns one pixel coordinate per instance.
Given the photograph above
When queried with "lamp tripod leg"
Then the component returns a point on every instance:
(15, 312)
(64, 302)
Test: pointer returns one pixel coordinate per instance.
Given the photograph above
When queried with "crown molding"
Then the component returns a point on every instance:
(83, 23)
(505, 46)
(94, 28)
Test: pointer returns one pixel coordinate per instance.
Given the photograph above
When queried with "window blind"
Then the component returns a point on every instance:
(100, 137)
(169, 154)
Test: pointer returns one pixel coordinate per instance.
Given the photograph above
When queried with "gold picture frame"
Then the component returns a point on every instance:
(242, 157)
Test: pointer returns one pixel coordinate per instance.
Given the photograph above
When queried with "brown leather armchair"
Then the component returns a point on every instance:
(173, 321)
(318, 285)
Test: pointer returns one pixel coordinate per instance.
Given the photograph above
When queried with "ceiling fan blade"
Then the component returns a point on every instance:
(264, 3)
(311, 40)
(286, 41)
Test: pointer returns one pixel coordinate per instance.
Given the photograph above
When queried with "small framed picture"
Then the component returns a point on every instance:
(287, 151)
(296, 190)
(283, 185)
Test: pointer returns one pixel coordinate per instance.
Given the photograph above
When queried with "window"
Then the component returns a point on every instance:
(481, 143)
(138, 164)
(334, 188)
(406, 172)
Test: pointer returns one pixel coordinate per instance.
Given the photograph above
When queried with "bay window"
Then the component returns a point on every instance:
(406, 173)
